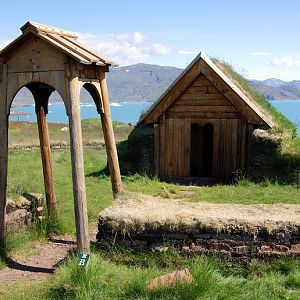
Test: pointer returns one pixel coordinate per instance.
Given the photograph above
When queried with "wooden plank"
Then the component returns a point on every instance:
(238, 144)
(202, 115)
(180, 146)
(162, 148)
(3, 154)
(243, 144)
(249, 132)
(109, 138)
(170, 147)
(216, 147)
(79, 190)
(198, 96)
(187, 147)
(212, 102)
(3, 175)
(234, 144)
(72, 49)
(228, 156)
(35, 55)
(156, 149)
(173, 93)
(249, 109)
(207, 109)
(203, 89)
(223, 149)
(200, 81)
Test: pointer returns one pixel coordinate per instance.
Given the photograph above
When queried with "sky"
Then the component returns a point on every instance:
(260, 39)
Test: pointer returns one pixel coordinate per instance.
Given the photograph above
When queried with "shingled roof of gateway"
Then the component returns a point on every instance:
(65, 41)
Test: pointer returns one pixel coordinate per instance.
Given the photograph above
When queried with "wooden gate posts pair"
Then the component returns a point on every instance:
(41, 93)
(44, 58)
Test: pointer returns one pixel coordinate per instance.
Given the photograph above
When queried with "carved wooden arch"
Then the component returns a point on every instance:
(16, 81)
(94, 89)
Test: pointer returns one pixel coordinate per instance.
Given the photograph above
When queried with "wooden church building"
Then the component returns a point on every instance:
(202, 125)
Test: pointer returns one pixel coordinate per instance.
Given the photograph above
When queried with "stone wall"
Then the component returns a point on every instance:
(24, 210)
(240, 248)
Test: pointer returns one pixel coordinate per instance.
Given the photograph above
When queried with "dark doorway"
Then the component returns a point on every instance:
(201, 150)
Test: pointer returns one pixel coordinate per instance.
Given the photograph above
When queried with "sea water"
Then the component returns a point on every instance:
(129, 112)
(291, 109)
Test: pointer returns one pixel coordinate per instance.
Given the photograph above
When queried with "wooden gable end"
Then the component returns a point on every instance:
(202, 100)
(215, 78)
(34, 55)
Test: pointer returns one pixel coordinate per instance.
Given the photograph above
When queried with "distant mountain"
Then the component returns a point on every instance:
(140, 82)
(275, 89)
(145, 82)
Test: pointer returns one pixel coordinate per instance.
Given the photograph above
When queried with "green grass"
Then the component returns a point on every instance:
(120, 273)
(247, 192)
(26, 133)
(28, 166)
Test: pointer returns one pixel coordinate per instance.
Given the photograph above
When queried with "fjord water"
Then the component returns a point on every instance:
(129, 112)
(291, 109)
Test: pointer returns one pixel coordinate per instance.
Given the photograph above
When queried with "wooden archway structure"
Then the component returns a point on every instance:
(45, 59)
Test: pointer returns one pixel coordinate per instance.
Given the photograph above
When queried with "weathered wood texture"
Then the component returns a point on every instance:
(109, 138)
(45, 58)
(3, 174)
(201, 103)
(79, 189)
(3, 151)
(41, 111)
(221, 87)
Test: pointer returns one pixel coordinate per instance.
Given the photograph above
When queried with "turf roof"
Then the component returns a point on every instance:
(282, 123)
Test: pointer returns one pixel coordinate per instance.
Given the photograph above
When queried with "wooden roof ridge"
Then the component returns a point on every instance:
(63, 40)
(200, 64)
(33, 26)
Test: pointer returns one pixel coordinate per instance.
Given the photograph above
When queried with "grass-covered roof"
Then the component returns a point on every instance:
(282, 123)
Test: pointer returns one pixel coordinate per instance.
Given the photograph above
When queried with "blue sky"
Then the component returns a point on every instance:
(261, 39)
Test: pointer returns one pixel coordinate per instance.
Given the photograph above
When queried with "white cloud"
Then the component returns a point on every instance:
(138, 37)
(260, 53)
(187, 52)
(124, 48)
(4, 43)
(287, 61)
(160, 49)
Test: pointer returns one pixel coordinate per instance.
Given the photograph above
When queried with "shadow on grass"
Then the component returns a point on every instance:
(102, 173)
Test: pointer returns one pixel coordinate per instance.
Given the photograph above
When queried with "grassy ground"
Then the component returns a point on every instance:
(26, 133)
(119, 273)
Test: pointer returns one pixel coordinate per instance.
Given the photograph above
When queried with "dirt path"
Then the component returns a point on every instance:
(36, 267)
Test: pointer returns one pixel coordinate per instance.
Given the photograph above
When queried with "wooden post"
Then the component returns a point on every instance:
(3, 174)
(80, 205)
(46, 160)
(109, 138)
(41, 94)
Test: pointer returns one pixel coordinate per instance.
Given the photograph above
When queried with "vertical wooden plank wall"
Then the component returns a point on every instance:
(201, 103)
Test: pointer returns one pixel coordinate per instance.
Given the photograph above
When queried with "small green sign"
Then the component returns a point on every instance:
(84, 259)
